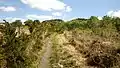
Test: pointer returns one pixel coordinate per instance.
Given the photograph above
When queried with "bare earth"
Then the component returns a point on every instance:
(46, 55)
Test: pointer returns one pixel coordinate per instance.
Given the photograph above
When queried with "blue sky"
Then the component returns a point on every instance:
(64, 9)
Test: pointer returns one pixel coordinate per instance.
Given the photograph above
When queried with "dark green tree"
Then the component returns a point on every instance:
(16, 23)
(29, 23)
(116, 22)
(36, 22)
(92, 22)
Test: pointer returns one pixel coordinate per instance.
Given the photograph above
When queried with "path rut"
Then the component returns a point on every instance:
(45, 58)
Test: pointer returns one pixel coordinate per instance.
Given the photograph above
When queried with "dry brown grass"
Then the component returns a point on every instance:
(81, 49)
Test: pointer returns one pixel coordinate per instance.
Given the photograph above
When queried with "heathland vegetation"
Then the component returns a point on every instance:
(78, 43)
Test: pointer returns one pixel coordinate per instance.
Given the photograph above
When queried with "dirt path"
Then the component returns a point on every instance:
(46, 55)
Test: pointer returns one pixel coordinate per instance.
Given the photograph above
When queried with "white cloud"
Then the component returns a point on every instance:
(57, 14)
(47, 5)
(7, 9)
(114, 13)
(100, 18)
(68, 9)
(109, 12)
(39, 17)
(24, 1)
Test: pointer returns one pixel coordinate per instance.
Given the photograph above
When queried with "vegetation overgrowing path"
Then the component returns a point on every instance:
(45, 58)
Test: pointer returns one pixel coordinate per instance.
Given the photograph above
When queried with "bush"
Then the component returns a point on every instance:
(102, 55)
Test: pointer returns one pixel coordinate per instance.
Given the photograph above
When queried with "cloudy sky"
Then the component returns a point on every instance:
(63, 9)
